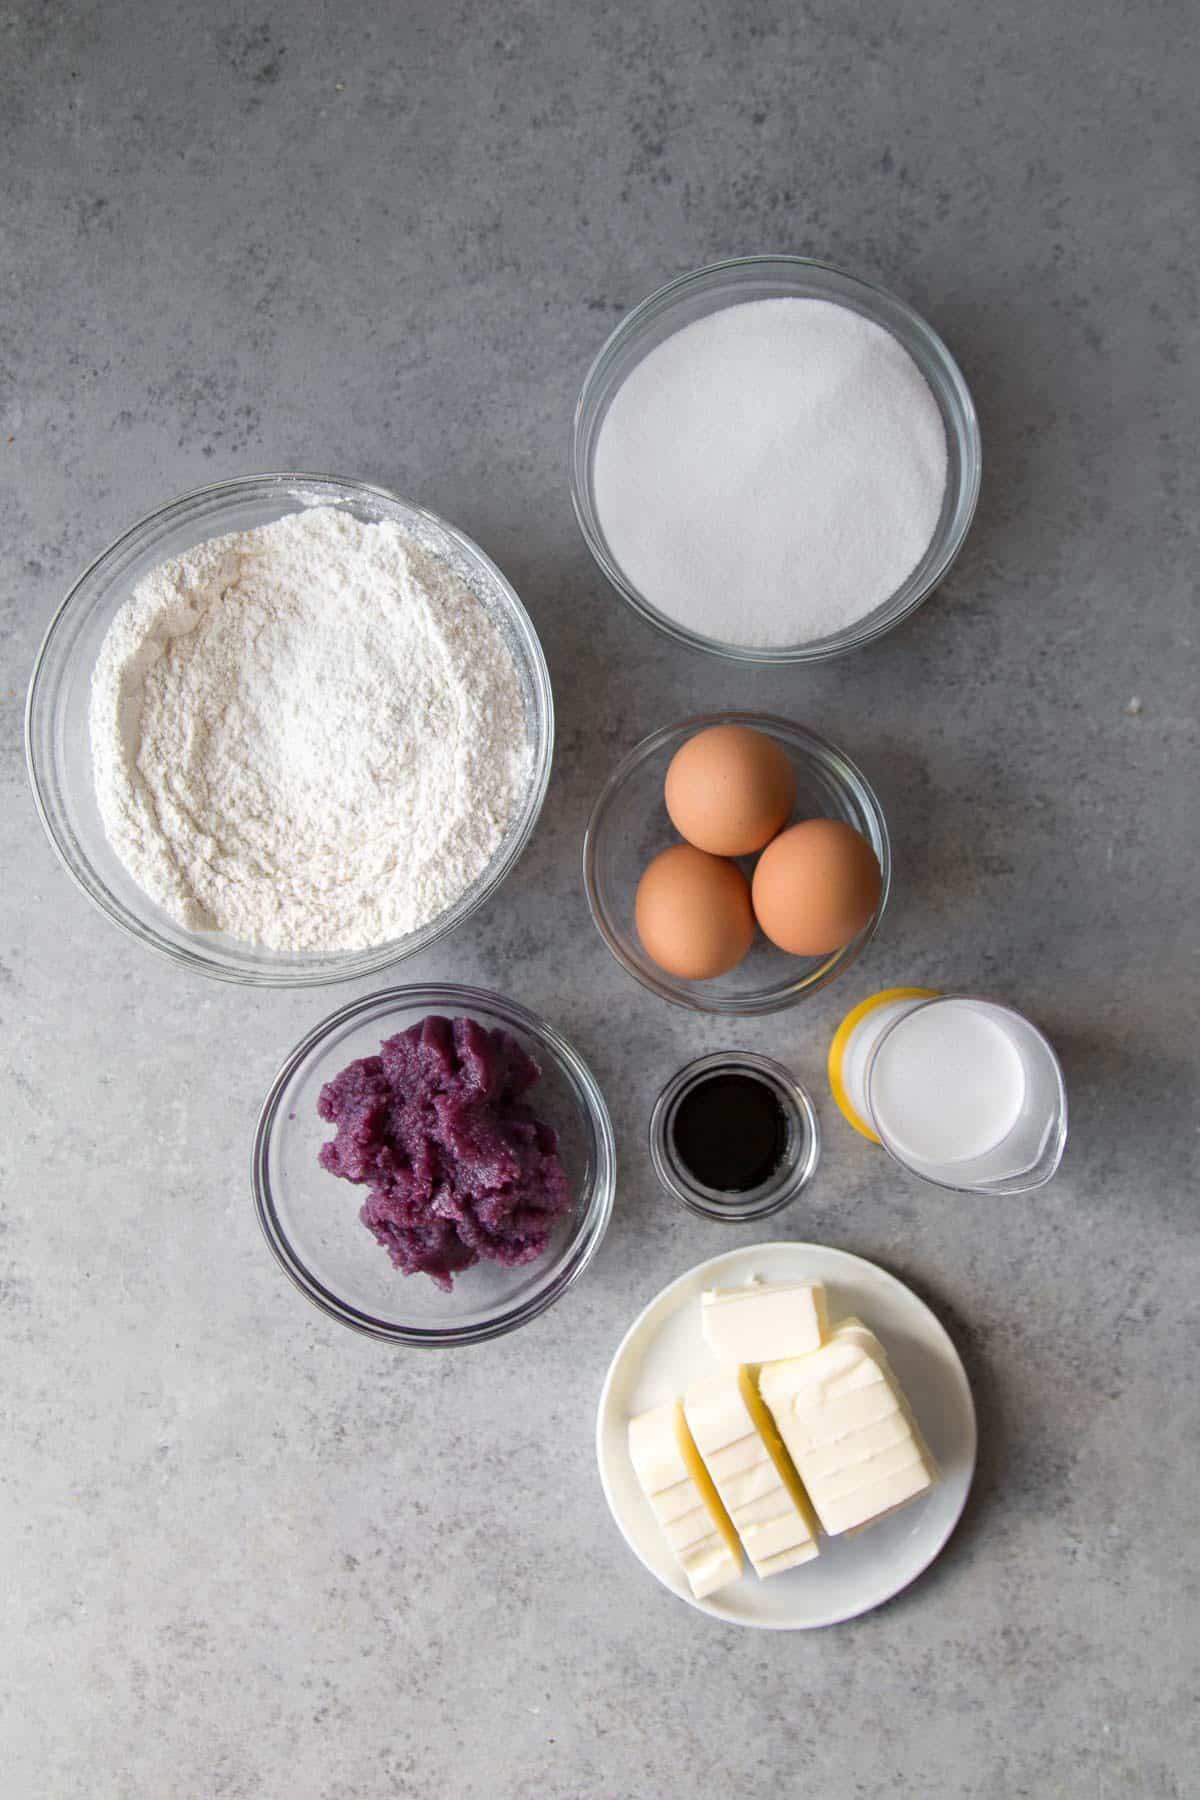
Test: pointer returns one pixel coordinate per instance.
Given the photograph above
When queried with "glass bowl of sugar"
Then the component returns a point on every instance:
(774, 461)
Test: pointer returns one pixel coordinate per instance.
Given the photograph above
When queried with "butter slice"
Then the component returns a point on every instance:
(684, 1501)
(848, 1428)
(751, 1471)
(764, 1321)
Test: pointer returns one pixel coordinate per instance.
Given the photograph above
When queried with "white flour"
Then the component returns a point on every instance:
(310, 735)
(771, 472)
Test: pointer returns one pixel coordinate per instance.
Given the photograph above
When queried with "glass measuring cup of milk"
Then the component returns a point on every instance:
(961, 1091)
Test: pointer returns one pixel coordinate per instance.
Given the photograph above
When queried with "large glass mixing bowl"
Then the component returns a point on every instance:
(58, 741)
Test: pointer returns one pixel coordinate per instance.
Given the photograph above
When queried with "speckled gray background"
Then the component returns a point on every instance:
(249, 1554)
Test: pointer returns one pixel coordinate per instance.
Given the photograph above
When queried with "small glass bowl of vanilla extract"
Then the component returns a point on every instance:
(734, 1136)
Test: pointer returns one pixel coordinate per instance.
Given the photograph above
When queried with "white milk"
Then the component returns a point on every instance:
(960, 1090)
(948, 1084)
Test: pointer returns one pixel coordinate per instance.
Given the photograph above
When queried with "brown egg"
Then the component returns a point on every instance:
(730, 789)
(693, 913)
(816, 886)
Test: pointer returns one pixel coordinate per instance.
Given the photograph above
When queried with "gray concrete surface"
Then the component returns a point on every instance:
(248, 1554)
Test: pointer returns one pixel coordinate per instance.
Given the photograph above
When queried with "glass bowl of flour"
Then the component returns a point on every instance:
(290, 729)
(774, 461)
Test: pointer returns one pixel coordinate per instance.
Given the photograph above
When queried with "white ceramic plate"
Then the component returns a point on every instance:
(664, 1351)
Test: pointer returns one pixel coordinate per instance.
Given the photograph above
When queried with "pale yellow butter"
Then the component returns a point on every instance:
(764, 1321)
(848, 1428)
(672, 1475)
(751, 1471)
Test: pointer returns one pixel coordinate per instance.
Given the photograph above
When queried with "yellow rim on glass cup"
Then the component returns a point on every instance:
(841, 1038)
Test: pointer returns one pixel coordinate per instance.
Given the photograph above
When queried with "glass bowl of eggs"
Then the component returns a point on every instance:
(736, 862)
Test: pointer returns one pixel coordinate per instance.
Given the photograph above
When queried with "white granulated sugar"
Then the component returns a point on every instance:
(772, 472)
(310, 735)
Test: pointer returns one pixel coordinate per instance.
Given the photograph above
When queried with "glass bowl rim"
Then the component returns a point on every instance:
(855, 636)
(695, 1197)
(825, 751)
(576, 1255)
(336, 966)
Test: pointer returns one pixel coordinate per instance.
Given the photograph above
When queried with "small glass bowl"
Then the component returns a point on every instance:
(629, 826)
(744, 278)
(800, 1157)
(310, 1218)
(58, 739)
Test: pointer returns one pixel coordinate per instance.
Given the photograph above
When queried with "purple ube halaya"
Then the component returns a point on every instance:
(459, 1166)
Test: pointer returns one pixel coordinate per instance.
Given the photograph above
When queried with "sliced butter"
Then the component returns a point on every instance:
(848, 1428)
(764, 1321)
(751, 1471)
(687, 1506)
